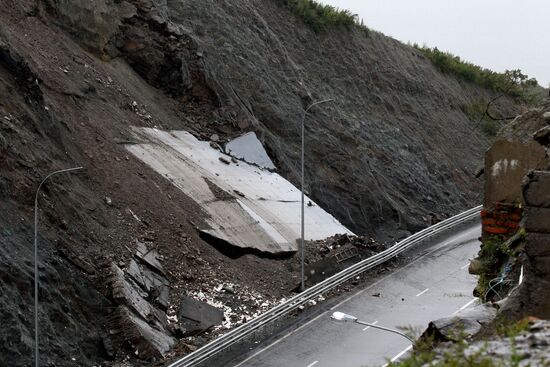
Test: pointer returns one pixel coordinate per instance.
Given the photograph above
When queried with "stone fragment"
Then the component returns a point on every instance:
(463, 325)
(156, 285)
(196, 316)
(225, 161)
(536, 189)
(149, 257)
(546, 116)
(149, 342)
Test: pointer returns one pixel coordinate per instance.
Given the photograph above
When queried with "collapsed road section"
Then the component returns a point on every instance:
(247, 207)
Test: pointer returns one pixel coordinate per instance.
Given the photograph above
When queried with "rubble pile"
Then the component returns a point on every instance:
(333, 254)
(365, 246)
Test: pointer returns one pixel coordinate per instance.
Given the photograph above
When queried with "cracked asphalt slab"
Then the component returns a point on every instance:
(435, 284)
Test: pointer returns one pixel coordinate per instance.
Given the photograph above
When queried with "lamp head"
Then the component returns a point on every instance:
(340, 316)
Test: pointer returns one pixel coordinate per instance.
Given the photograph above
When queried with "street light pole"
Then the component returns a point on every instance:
(340, 316)
(36, 359)
(302, 286)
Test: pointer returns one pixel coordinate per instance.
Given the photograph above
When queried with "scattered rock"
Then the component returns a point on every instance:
(223, 160)
(108, 201)
(546, 116)
(149, 257)
(215, 138)
(466, 323)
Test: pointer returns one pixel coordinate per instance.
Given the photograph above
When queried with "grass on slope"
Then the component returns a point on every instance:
(512, 82)
(320, 16)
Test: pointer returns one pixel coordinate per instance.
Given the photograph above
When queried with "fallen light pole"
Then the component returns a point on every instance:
(340, 316)
(302, 285)
(36, 359)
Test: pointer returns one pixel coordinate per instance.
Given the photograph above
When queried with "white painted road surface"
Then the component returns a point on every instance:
(435, 285)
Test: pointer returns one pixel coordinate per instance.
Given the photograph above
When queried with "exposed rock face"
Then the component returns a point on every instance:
(361, 148)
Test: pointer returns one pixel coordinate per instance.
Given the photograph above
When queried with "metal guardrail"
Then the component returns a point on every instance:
(209, 350)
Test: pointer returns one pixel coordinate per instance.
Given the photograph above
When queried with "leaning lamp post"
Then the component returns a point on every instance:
(36, 359)
(343, 317)
(302, 286)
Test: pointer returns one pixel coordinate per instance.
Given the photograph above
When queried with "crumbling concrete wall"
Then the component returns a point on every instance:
(506, 164)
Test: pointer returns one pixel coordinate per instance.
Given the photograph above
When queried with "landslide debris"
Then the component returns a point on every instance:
(77, 75)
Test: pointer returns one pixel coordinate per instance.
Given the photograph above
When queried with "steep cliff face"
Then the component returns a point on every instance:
(75, 75)
(393, 144)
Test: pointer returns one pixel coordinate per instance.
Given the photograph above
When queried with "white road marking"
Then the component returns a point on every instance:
(374, 323)
(465, 266)
(399, 355)
(465, 306)
(424, 291)
(313, 364)
(280, 340)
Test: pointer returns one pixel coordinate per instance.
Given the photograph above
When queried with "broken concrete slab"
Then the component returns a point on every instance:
(506, 164)
(248, 148)
(263, 218)
(196, 316)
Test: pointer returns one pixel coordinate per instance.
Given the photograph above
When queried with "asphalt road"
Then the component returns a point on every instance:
(434, 285)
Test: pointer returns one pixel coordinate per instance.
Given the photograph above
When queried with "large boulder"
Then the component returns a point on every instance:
(467, 323)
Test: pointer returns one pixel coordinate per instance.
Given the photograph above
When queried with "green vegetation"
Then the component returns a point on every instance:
(512, 82)
(319, 16)
(476, 112)
(492, 257)
(512, 329)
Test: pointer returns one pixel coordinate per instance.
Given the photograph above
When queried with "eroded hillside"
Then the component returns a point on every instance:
(76, 75)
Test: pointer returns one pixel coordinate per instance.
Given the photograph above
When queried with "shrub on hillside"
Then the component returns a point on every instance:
(512, 82)
(319, 16)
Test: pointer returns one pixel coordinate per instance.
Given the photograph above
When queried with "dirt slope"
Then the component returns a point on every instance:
(76, 74)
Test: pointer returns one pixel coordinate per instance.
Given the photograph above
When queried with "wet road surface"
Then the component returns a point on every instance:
(434, 285)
